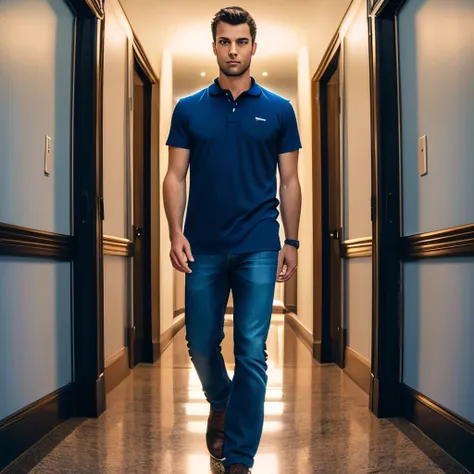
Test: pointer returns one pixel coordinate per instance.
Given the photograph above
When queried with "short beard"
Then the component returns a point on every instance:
(238, 74)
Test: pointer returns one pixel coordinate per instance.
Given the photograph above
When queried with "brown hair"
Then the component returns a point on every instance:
(234, 16)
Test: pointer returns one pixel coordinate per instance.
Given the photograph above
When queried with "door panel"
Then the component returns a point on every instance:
(334, 213)
(138, 155)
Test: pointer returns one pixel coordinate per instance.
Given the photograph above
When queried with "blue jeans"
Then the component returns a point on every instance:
(252, 278)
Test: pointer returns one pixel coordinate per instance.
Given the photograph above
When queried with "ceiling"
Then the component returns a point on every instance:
(282, 77)
(183, 28)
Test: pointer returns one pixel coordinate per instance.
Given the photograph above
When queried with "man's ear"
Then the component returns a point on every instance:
(214, 48)
(254, 49)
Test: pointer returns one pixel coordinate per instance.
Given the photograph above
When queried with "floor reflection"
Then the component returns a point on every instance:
(284, 350)
(316, 420)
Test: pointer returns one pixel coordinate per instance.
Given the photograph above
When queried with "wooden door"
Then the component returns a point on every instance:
(334, 216)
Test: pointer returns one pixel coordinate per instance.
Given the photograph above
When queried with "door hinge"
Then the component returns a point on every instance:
(372, 208)
(101, 208)
(137, 232)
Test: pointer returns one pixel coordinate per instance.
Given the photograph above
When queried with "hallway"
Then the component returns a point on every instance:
(317, 420)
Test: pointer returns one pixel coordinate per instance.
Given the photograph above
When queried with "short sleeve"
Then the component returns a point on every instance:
(179, 136)
(289, 139)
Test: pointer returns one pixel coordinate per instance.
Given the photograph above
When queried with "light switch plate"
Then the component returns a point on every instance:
(423, 155)
(48, 155)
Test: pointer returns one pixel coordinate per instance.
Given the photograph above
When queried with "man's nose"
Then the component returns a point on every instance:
(233, 50)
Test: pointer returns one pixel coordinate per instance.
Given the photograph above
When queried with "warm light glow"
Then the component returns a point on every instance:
(272, 426)
(267, 462)
(197, 427)
(198, 463)
(200, 427)
(265, 74)
(202, 409)
(274, 394)
(197, 409)
(273, 408)
(203, 74)
(196, 395)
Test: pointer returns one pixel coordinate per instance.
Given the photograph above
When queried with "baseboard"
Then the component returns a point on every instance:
(452, 433)
(178, 312)
(22, 430)
(323, 357)
(343, 333)
(305, 336)
(131, 335)
(170, 333)
(358, 369)
(116, 369)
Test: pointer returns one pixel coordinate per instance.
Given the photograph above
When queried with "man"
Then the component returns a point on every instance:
(232, 135)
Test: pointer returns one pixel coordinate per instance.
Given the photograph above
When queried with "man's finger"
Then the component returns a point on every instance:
(182, 260)
(281, 261)
(175, 263)
(187, 251)
(289, 273)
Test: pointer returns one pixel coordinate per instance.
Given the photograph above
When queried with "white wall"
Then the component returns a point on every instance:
(35, 335)
(147, 24)
(357, 178)
(438, 354)
(437, 99)
(357, 136)
(167, 277)
(305, 263)
(116, 269)
(116, 304)
(35, 100)
(437, 87)
(115, 126)
(326, 17)
(358, 305)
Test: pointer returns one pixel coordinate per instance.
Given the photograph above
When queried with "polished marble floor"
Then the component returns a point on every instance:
(317, 421)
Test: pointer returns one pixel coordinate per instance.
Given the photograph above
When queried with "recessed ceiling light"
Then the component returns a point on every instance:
(265, 74)
(203, 74)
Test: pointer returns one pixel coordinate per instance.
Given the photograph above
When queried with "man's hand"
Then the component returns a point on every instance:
(287, 263)
(180, 253)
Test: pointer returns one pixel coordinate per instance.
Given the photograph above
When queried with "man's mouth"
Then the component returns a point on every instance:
(233, 62)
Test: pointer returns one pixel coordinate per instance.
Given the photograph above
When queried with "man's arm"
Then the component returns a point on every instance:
(174, 199)
(290, 204)
(290, 194)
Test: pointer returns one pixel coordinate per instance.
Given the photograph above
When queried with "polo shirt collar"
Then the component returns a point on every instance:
(254, 91)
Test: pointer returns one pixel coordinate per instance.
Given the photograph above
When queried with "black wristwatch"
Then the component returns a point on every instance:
(293, 243)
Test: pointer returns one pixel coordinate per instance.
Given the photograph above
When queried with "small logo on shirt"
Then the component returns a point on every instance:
(259, 119)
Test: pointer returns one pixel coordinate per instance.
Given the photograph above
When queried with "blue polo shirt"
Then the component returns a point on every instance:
(234, 147)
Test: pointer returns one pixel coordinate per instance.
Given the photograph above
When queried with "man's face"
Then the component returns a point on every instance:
(233, 48)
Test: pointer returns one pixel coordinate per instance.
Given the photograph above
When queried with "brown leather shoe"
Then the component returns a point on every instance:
(215, 434)
(237, 469)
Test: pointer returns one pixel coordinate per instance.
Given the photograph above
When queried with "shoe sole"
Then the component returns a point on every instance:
(216, 465)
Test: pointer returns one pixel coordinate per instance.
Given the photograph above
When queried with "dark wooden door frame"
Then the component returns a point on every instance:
(386, 208)
(85, 396)
(322, 343)
(330, 102)
(389, 396)
(148, 350)
(88, 208)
